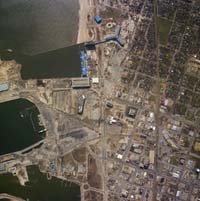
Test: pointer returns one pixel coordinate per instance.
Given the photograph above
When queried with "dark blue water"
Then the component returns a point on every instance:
(19, 127)
(64, 62)
(46, 32)
(39, 188)
(35, 26)
(32, 27)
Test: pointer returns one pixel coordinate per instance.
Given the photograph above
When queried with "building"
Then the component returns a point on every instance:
(90, 45)
(84, 69)
(169, 140)
(4, 87)
(151, 156)
(131, 112)
(81, 104)
(120, 42)
(95, 80)
(2, 168)
(119, 156)
(116, 37)
(197, 146)
(118, 30)
(97, 19)
(82, 82)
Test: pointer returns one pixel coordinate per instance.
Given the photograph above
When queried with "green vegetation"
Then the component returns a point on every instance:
(163, 29)
(180, 109)
(171, 13)
(198, 113)
(196, 100)
(186, 141)
(195, 147)
(111, 13)
(197, 165)
(174, 160)
(190, 115)
(152, 98)
(79, 155)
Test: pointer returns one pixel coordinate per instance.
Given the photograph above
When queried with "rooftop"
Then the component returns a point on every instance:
(80, 82)
(4, 87)
(98, 19)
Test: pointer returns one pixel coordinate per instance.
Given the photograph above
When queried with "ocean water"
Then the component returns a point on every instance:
(60, 63)
(36, 26)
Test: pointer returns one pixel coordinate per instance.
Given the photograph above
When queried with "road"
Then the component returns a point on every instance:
(157, 105)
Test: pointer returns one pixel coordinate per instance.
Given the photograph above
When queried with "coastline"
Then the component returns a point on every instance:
(84, 10)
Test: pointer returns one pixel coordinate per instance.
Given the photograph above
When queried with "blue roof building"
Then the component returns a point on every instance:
(97, 19)
(118, 30)
(83, 64)
(116, 37)
(120, 42)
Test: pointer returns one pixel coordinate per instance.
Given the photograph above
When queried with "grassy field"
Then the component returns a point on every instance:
(163, 28)
(171, 14)
(111, 13)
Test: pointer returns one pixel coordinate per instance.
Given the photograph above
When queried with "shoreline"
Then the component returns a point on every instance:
(84, 10)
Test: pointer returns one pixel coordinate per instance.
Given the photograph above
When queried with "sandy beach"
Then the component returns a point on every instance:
(85, 8)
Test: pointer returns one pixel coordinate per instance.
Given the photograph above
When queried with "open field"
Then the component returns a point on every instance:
(163, 28)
